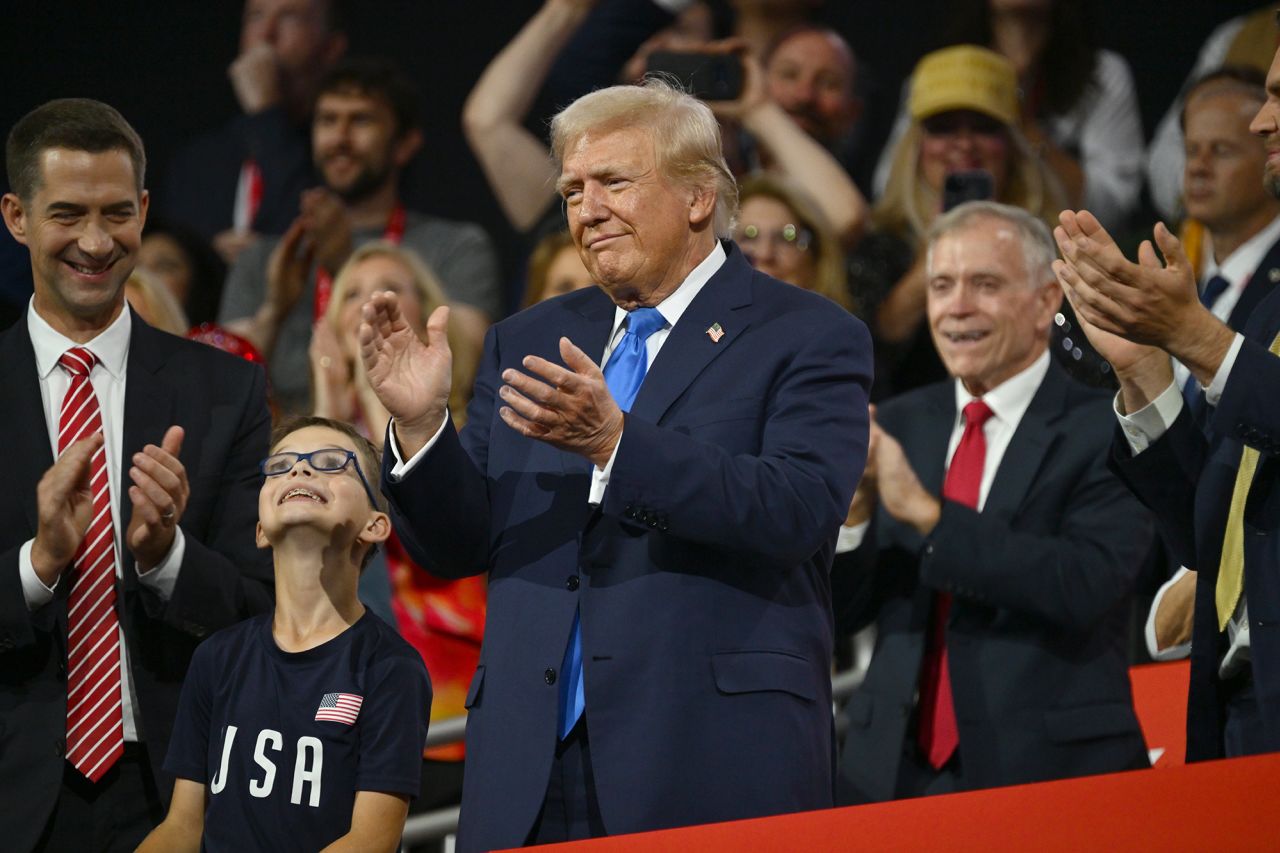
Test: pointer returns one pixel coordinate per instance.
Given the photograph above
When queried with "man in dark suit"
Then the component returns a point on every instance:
(243, 180)
(998, 553)
(116, 558)
(1212, 488)
(1224, 192)
(658, 641)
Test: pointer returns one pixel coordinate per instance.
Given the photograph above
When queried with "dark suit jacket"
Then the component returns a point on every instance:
(220, 401)
(1262, 281)
(1040, 580)
(702, 578)
(1186, 478)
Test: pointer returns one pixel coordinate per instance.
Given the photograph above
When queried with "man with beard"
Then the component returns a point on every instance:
(365, 130)
(243, 179)
(1213, 489)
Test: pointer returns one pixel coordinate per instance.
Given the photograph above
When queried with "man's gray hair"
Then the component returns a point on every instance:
(686, 137)
(1038, 248)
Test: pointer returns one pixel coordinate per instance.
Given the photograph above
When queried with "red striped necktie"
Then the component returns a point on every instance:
(937, 732)
(95, 728)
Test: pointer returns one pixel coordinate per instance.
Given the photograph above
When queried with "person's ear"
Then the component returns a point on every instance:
(1049, 303)
(259, 537)
(376, 529)
(702, 205)
(15, 216)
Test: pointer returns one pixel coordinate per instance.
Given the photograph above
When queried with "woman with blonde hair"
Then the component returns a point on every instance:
(964, 112)
(340, 389)
(157, 307)
(442, 619)
(784, 234)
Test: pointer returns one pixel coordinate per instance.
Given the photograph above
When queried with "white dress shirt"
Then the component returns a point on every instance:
(1008, 402)
(671, 309)
(111, 347)
(1145, 426)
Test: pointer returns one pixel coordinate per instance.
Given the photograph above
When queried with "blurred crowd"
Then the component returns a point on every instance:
(269, 232)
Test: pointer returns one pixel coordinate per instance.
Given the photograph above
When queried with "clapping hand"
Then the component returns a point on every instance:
(159, 496)
(568, 407)
(64, 508)
(410, 378)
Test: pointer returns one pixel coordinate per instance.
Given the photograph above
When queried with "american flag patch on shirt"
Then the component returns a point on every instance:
(339, 708)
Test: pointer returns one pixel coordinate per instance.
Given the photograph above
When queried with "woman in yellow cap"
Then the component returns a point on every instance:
(963, 106)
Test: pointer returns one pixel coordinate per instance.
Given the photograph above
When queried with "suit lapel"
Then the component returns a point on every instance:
(148, 410)
(587, 322)
(724, 299)
(1262, 282)
(23, 431)
(1027, 448)
(931, 435)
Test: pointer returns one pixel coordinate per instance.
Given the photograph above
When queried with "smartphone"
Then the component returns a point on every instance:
(706, 76)
(976, 185)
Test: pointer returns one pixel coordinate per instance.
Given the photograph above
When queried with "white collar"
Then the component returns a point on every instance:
(674, 305)
(111, 345)
(1240, 265)
(1008, 400)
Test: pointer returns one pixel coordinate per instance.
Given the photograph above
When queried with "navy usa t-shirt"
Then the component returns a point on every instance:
(283, 741)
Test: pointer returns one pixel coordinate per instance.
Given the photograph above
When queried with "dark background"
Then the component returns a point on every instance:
(163, 65)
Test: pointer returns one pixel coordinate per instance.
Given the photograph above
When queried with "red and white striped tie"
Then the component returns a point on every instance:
(95, 728)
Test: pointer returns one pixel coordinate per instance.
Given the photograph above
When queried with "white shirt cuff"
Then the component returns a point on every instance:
(600, 477)
(675, 7)
(33, 589)
(1173, 652)
(164, 575)
(402, 468)
(850, 538)
(1213, 393)
(1153, 420)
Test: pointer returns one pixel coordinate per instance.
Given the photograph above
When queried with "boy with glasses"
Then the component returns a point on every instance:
(305, 728)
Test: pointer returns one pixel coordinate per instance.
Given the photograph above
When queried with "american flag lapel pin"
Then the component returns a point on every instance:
(715, 333)
(339, 708)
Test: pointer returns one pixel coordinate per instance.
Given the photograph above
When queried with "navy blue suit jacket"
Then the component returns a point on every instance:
(1187, 477)
(221, 403)
(702, 578)
(1041, 582)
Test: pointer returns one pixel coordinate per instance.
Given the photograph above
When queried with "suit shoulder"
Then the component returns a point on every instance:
(548, 311)
(911, 403)
(1086, 403)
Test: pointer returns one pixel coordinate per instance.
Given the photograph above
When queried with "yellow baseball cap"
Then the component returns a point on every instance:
(964, 77)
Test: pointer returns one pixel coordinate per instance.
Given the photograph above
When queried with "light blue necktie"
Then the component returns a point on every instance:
(623, 374)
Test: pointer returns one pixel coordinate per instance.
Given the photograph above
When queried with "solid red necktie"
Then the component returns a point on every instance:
(95, 728)
(937, 732)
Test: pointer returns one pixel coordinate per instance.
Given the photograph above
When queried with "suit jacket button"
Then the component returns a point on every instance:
(549, 676)
(651, 521)
(571, 583)
(59, 747)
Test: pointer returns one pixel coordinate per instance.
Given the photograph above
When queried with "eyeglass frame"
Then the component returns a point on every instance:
(306, 457)
(802, 242)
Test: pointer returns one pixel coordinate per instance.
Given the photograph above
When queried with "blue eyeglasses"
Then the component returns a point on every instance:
(328, 459)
